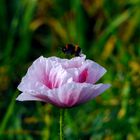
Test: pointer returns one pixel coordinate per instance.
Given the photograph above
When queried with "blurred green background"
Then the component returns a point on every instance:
(108, 31)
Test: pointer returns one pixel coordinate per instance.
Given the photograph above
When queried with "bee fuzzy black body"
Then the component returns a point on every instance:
(72, 49)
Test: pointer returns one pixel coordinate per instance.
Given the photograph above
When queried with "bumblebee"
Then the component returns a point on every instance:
(72, 49)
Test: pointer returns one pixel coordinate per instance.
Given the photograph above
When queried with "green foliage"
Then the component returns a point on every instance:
(107, 31)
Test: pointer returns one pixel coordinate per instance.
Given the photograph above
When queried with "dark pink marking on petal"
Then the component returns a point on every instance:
(83, 76)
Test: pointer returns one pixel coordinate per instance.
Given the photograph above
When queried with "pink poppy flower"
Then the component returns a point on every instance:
(62, 82)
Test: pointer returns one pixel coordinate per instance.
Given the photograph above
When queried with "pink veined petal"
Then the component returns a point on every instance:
(57, 59)
(69, 95)
(75, 62)
(65, 96)
(37, 86)
(95, 71)
(33, 96)
(88, 72)
(38, 94)
(90, 92)
(73, 66)
(58, 76)
(74, 72)
(34, 74)
(28, 97)
(37, 70)
(73, 94)
(44, 71)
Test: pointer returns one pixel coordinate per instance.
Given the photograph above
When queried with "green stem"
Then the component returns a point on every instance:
(61, 121)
